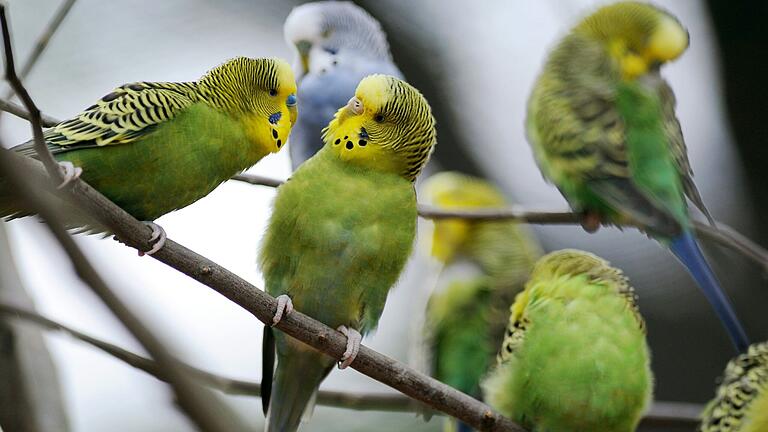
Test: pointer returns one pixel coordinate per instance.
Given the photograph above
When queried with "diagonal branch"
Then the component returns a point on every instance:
(723, 234)
(21, 112)
(662, 414)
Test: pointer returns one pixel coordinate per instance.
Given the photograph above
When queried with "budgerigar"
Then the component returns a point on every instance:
(575, 356)
(155, 147)
(602, 124)
(487, 264)
(341, 231)
(337, 44)
(741, 401)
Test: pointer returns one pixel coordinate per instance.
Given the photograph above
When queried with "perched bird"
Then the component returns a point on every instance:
(155, 147)
(741, 402)
(337, 44)
(602, 124)
(340, 233)
(574, 357)
(487, 264)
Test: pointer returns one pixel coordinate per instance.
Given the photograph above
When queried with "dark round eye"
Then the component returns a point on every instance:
(272, 92)
(379, 118)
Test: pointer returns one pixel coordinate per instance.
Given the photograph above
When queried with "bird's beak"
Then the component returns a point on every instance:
(303, 47)
(355, 106)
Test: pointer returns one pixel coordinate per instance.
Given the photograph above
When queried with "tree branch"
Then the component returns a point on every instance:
(661, 414)
(20, 112)
(723, 234)
(43, 40)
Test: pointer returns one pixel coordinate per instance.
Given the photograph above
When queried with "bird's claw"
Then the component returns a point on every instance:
(354, 338)
(284, 307)
(157, 239)
(69, 173)
(591, 222)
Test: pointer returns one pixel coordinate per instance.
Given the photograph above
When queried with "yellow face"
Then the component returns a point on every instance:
(275, 111)
(666, 43)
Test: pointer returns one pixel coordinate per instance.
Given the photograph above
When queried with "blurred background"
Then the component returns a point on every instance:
(475, 62)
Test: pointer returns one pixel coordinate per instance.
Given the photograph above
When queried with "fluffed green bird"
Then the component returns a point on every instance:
(155, 147)
(602, 124)
(741, 401)
(340, 233)
(575, 356)
(466, 319)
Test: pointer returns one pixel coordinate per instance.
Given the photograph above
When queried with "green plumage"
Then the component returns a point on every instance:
(156, 147)
(342, 229)
(575, 356)
(741, 401)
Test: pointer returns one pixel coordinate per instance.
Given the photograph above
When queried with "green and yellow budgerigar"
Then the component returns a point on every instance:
(341, 231)
(602, 124)
(575, 356)
(155, 147)
(741, 401)
(467, 317)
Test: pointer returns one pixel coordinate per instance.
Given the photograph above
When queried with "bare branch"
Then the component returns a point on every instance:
(42, 42)
(34, 114)
(662, 414)
(20, 112)
(723, 234)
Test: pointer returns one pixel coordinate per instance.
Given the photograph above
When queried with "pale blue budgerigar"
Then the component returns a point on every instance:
(338, 44)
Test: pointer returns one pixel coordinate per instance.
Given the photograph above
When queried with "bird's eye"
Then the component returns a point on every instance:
(331, 51)
(273, 92)
(379, 118)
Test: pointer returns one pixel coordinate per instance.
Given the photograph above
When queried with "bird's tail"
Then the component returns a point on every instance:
(297, 379)
(687, 250)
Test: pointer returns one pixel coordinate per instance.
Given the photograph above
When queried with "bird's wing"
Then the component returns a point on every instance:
(679, 151)
(122, 116)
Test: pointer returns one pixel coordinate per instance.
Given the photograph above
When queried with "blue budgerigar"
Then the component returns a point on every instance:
(338, 44)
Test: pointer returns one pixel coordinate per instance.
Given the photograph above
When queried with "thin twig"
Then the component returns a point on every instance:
(34, 113)
(723, 234)
(661, 414)
(42, 41)
(19, 111)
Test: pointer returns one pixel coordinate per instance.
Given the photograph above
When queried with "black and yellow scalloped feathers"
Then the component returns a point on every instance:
(742, 396)
(122, 116)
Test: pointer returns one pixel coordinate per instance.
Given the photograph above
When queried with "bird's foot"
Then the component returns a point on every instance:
(284, 307)
(157, 239)
(69, 173)
(354, 338)
(591, 222)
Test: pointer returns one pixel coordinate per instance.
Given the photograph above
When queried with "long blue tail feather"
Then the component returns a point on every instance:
(687, 250)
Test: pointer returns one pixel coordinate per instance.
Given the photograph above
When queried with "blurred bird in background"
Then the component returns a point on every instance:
(741, 400)
(574, 357)
(488, 264)
(337, 44)
(602, 124)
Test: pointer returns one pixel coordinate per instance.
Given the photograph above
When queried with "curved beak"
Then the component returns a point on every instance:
(303, 47)
(355, 106)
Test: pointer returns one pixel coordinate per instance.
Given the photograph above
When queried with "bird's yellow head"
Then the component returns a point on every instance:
(260, 93)
(452, 190)
(640, 37)
(387, 126)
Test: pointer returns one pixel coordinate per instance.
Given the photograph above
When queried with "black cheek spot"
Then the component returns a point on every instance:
(345, 137)
(279, 143)
(350, 146)
(274, 134)
(362, 143)
(337, 142)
